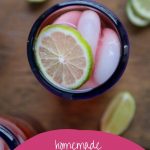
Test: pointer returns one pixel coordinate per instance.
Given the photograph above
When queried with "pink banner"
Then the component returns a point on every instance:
(77, 140)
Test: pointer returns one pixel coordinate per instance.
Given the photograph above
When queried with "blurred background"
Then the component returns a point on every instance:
(21, 94)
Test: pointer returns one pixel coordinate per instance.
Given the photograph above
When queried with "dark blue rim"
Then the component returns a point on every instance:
(70, 94)
(9, 137)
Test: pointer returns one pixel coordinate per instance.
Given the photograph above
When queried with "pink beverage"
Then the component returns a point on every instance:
(104, 34)
(13, 132)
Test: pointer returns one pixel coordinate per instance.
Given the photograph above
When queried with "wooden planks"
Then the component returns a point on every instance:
(21, 94)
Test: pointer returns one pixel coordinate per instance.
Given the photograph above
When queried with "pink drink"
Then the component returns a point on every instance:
(12, 130)
(101, 36)
(104, 33)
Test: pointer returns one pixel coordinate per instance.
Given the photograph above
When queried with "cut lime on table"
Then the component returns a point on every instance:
(142, 8)
(63, 56)
(119, 114)
(134, 18)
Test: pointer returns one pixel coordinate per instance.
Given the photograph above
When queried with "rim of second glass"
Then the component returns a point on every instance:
(73, 94)
(10, 139)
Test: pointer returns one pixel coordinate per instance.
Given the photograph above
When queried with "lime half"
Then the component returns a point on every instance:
(142, 7)
(63, 56)
(134, 18)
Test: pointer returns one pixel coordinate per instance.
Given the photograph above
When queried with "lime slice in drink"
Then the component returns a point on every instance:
(142, 7)
(134, 18)
(63, 56)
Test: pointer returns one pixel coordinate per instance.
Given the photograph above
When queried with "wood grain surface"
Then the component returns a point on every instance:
(22, 95)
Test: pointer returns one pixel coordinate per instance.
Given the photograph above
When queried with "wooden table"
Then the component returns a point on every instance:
(22, 95)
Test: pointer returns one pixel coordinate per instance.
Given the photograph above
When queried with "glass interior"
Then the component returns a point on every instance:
(105, 23)
(3, 145)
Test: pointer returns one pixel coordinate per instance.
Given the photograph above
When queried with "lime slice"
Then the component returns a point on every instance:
(63, 56)
(134, 18)
(119, 114)
(142, 7)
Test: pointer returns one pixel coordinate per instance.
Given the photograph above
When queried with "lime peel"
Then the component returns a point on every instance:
(142, 8)
(134, 18)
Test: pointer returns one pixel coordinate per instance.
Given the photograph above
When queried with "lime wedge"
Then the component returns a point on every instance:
(134, 18)
(142, 7)
(63, 56)
(119, 114)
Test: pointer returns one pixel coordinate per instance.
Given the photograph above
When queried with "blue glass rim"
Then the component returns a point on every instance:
(10, 139)
(73, 94)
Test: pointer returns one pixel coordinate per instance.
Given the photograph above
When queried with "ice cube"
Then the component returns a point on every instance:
(90, 27)
(107, 56)
(70, 18)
